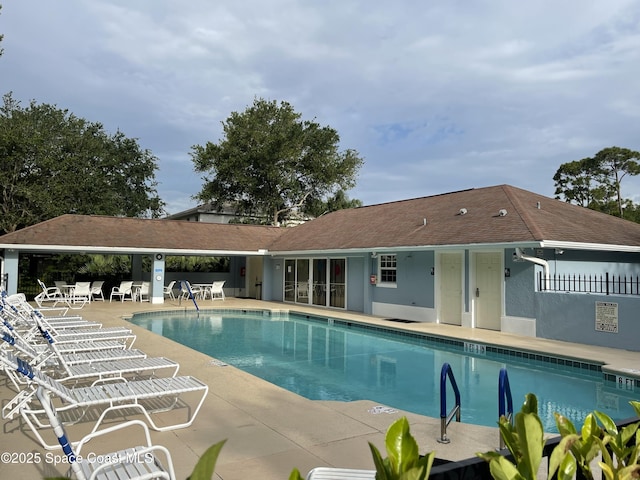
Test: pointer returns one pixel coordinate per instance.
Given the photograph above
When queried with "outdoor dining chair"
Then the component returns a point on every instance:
(123, 290)
(96, 290)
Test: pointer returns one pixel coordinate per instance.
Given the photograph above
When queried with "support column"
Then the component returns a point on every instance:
(157, 279)
(11, 268)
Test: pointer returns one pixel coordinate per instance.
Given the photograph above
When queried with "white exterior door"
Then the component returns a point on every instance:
(450, 292)
(488, 290)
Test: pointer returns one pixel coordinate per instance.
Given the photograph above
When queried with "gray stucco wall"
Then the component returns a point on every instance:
(571, 317)
(415, 284)
(519, 287)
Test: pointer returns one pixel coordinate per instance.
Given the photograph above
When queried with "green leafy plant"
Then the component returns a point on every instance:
(583, 446)
(207, 463)
(599, 435)
(403, 459)
(524, 439)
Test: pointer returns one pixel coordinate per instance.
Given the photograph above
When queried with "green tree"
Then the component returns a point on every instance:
(272, 161)
(595, 182)
(340, 201)
(1, 37)
(52, 163)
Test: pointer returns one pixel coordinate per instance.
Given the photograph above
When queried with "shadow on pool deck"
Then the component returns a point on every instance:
(269, 430)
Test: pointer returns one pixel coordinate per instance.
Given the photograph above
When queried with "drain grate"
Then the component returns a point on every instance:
(401, 320)
(378, 409)
(217, 363)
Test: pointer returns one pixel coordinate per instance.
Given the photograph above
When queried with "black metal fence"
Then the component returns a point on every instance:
(603, 284)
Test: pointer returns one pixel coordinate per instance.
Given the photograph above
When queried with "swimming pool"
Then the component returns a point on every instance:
(329, 359)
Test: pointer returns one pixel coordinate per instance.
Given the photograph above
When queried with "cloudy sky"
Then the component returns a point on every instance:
(436, 95)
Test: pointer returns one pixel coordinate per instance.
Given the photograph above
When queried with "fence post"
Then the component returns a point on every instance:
(606, 277)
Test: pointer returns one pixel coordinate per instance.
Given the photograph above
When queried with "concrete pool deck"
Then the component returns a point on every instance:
(269, 430)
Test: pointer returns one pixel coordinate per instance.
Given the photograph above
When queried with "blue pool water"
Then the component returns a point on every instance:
(324, 359)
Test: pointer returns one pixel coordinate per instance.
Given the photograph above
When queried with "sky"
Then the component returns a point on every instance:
(435, 95)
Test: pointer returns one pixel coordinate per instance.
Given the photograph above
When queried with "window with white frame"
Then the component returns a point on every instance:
(387, 269)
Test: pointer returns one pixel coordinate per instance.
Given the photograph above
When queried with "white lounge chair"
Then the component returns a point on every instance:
(145, 396)
(331, 473)
(138, 462)
(67, 367)
(48, 294)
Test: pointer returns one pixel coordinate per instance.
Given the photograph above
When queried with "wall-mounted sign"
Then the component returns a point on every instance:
(607, 317)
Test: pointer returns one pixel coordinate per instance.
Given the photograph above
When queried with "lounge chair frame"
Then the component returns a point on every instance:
(111, 397)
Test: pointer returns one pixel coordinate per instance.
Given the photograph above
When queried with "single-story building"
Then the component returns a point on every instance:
(498, 258)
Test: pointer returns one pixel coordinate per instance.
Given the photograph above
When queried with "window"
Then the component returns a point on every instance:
(387, 267)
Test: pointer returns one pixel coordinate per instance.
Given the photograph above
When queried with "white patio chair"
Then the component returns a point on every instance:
(216, 291)
(96, 290)
(80, 295)
(142, 293)
(125, 288)
(148, 397)
(139, 462)
(187, 290)
(302, 291)
(168, 290)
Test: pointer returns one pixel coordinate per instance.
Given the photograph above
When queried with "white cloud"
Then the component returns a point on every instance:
(436, 96)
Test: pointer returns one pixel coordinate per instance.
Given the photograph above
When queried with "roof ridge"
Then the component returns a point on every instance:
(528, 219)
(417, 198)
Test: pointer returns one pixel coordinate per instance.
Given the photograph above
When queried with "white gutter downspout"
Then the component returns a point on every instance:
(520, 255)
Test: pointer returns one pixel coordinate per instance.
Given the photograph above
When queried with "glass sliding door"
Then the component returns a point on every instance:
(302, 280)
(289, 280)
(337, 282)
(316, 281)
(319, 281)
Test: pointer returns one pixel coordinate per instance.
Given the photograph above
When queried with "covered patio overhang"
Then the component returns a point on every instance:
(157, 239)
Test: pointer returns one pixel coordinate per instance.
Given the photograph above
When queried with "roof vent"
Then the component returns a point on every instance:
(538, 205)
(463, 211)
(502, 212)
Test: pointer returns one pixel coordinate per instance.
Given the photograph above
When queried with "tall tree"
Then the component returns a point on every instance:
(340, 201)
(1, 37)
(52, 163)
(270, 160)
(595, 182)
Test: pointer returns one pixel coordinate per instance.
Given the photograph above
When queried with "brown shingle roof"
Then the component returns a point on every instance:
(388, 225)
(400, 224)
(119, 232)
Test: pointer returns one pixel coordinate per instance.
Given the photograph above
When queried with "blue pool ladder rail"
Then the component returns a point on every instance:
(186, 284)
(445, 419)
(504, 396)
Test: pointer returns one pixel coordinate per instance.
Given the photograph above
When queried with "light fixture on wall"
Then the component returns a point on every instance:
(507, 272)
(433, 270)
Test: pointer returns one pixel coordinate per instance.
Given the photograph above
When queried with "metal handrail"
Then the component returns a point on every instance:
(193, 298)
(504, 394)
(444, 418)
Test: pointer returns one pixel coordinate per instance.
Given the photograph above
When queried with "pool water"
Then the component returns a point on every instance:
(326, 359)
